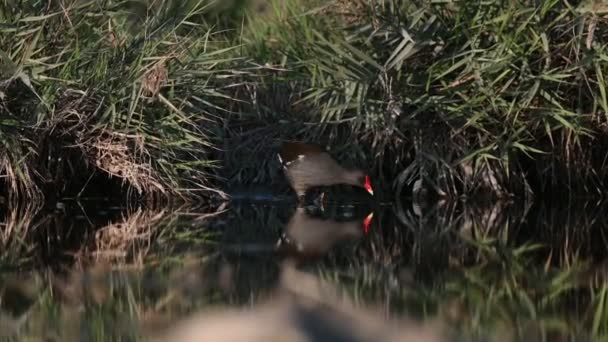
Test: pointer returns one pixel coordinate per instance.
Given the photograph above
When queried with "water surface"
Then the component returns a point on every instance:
(442, 271)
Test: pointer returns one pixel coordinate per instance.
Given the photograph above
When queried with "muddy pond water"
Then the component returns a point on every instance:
(444, 271)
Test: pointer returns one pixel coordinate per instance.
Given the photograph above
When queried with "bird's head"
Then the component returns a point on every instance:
(367, 184)
(358, 178)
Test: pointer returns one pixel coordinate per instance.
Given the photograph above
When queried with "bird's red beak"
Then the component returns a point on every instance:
(368, 186)
(367, 222)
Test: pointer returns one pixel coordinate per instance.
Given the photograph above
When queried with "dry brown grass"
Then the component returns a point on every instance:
(116, 153)
(18, 177)
(15, 230)
(155, 78)
(126, 157)
(352, 11)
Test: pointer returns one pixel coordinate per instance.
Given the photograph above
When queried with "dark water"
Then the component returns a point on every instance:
(441, 271)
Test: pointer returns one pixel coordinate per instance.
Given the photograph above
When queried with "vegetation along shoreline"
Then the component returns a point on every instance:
(180, 100)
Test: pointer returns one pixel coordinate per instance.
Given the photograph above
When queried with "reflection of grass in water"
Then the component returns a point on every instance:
(476, 302)
(105, 302)
(504, 285)
(16, 228)
(147, 236)
(479, 300)
(484, 272)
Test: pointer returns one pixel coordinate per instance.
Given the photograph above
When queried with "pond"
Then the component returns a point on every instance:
(442, 271)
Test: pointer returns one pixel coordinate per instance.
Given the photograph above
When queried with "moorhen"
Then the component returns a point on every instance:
(308, 166)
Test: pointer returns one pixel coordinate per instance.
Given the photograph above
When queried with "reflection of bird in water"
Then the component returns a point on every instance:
(307, 235)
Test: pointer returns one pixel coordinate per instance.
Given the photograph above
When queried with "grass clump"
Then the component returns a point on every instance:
(506, 97)
(128, 89)
(501, 96)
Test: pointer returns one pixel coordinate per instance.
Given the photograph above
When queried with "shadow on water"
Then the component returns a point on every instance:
(470, 271)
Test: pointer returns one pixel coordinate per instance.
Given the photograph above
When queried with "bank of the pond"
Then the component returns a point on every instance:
(179, 99)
